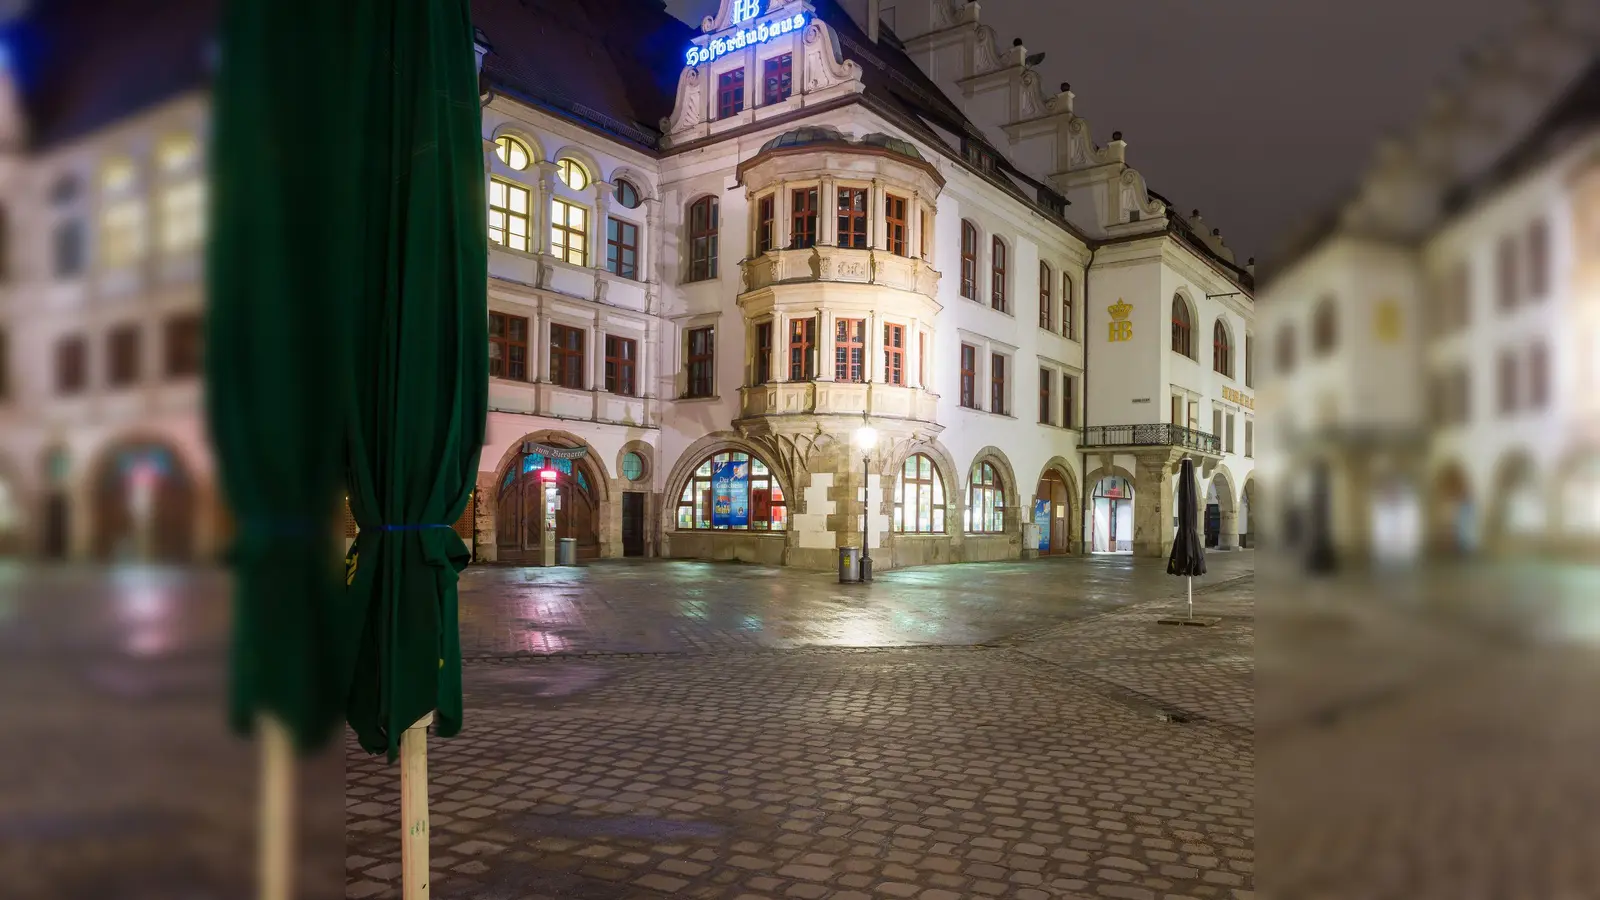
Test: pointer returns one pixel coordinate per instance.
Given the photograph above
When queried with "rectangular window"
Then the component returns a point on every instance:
(703, 239)
(1249, 361)
(122, 350)
(997, 383)
(802, 349)
(1538, 376)
(969, 261)
(969, 376)
(123, 232)
(1068, 323)
(764, 353)
(72, 365)
(508, 347)
(67, 244)
(700, 355)
(1177, 410)
(850, 350)
(730, 93)
(1194, 415)
(1216, 423)
(622, 248)
(5, 366)
(1228, 434)
(1461, 301)
(510, 222)
(1538, 259)
(183, 210)
(1506, 263)
(1047, 403)
(765, 226)
(1069, 401)
(777, 79)
(1249, 438)
(894, 354)
(998, 275)
(622, 359)
(566, 356)
(1508, 383)
(853, 218)
(569, 232)
(803, 219)
(1046, 302)
(894, 214)
(182, 343)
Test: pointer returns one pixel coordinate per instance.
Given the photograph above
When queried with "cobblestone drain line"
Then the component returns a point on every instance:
(1136, 699)
(1142, 606)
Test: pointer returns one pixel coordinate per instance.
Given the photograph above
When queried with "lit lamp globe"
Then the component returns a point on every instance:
(866, 438)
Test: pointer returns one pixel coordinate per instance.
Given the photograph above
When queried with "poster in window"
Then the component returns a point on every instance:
(730, 487)
(1041, 518)
(761, 506)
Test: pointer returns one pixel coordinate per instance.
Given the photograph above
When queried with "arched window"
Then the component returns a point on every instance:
(514, 153)
(1182, 327)
(627, 194)
(1325, 328)
(1285, 351)
(986, 501)
(969, 260)
(1221, 352)
(919, 498)
(703, 239)
(997, 277)
(572, 173)
(732, 491)
(1068, 325)
(1046, 302)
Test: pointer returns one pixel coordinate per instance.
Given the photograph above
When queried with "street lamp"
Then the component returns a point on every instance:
(865, 440)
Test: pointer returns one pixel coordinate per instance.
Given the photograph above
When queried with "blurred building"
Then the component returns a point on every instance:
(716, 254)
(1432, 340)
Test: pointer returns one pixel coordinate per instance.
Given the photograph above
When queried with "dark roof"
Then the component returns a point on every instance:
(1575, 114)
(85, 64)
(611, 63)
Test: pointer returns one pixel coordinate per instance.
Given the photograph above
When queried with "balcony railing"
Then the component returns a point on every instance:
(1152, 435)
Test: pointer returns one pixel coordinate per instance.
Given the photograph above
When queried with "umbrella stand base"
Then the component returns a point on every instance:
(1197, 621)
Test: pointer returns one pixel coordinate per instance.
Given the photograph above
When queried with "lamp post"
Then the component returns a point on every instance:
(866, 439)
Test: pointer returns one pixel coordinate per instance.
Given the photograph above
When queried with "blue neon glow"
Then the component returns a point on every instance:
(745, 38)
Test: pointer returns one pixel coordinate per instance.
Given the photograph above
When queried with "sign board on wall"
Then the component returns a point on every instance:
(730, 490)
(1121, 328)
(1041, 518)
(1233, 396)
(744, 35)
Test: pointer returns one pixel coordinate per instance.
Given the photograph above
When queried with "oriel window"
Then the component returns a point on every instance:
(802, 349)
(853, 218)
(850, 350)
(895, 216)
(894, 354)
(803, 220)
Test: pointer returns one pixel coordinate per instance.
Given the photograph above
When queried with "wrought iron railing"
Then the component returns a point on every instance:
(1153, 435)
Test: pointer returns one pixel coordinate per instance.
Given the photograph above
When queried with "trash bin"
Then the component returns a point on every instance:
(567, 552)
(849, 565)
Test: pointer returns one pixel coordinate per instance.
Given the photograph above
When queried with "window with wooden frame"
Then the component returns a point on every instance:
(969, 376)
(510, 215)
(894, 353)
(1069, 323)
(1221, 350)
(894, 214)
(777, 79)
(566, 356)
(1538, 376)
(622, 360)
(919, 505)
(763, 352)
(986, 501)
(1227, 434)
(1508, 382)
(1046, 302)
(182, 343)
(997, 274)
(850, 350)
(1047, 403)
(803, 219)
(508, 347)
(969, 260)
(1325, 327)
(1506, 273)
(1069, 401)
(853, 218)
(1538, 258)
(699, 359)
(802, 349)
(703, 239)
(1249, 438)
(997, 383)
(766, 224)
(622, 248)
(72, 364)
(569, 232)
(730, 93)
(1182, 328)
(123, 356)
(767, 511)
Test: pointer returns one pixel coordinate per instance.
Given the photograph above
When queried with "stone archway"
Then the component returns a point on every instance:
(1055, 509)
(143, 500)
(1518, 513)
(1221, 492)
(526, 517)
(982, 541)
(1578, 497)
(1109, 518)
(1452, 516)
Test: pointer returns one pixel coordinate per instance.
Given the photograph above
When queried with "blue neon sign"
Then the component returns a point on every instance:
(745, 37)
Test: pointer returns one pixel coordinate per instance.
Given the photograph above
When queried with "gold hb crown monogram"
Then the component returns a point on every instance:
(1121, 328)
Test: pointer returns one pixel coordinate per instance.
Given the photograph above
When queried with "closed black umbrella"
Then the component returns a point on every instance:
(1188, 553)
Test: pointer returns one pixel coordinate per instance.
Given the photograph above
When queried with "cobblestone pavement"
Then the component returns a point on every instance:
(970, 731)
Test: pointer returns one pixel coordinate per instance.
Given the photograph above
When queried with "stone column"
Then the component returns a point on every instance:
(1153, 503)
(828, 212)
(483, 519)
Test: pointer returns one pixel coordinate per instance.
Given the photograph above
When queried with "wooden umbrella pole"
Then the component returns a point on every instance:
(1190, 579)
(414, 809)
(276, 876)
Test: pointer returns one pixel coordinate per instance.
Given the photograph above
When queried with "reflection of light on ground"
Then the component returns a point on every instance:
(750, 623)
(145, 607)
(536, 641)
(693, 609)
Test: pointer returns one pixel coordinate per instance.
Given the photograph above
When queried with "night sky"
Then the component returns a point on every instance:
(1257, 112)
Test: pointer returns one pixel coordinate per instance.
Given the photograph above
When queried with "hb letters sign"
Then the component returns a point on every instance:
(1121, 328)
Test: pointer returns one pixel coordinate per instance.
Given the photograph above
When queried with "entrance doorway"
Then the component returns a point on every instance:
(1050, 505)
(1111, 519)
(633, 523)
(525, 516)
(144, 506)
